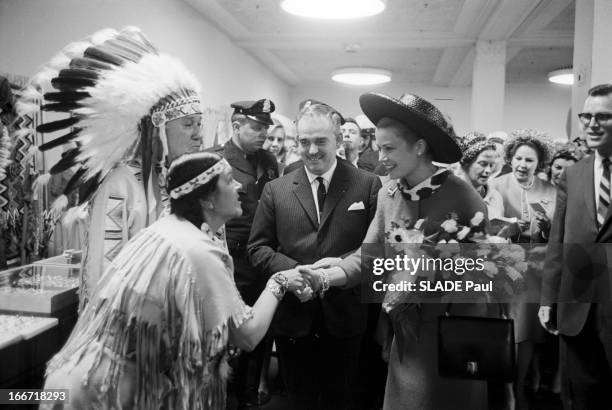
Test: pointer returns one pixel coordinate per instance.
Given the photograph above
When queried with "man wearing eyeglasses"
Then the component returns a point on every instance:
(577, 275)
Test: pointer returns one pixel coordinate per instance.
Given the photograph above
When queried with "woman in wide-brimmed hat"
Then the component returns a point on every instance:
(412, 133)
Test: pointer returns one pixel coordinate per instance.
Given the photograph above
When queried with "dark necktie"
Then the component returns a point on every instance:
(604, 192)
(321, 193)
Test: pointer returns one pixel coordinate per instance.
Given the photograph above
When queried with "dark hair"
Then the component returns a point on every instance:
(561, 154)
(600, 90)
(353, 121)
(183, 169)
(533, 139)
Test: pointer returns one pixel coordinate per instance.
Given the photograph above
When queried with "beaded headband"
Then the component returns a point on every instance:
(177, 108)
(200, 180)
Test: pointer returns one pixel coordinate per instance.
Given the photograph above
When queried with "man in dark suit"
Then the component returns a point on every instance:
(576, 274)
(320, 210)
(252, 167)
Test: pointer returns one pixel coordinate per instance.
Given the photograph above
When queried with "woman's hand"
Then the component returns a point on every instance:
(295, 281)
(543, 223)
(313, 277)
(326, 263)
(523, 225)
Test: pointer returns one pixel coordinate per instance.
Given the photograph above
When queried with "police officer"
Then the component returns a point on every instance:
(252, 167)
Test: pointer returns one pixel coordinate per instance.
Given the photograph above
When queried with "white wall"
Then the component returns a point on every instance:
(31, 31)
(541, 106)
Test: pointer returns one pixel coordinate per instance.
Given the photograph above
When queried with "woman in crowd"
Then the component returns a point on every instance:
(411, 133)
(156, 333)
(478, 163)
(562, 159)
(275, 143)
(531, 201)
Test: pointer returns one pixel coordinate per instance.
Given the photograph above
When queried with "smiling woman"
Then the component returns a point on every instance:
(156, 333)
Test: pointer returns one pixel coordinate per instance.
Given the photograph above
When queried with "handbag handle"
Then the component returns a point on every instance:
(502, 310)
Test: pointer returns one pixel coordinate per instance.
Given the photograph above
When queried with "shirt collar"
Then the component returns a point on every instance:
(327, 176)
(599, 159)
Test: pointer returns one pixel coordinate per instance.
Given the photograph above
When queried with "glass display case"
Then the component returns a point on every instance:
(44, 287)
(38, 309)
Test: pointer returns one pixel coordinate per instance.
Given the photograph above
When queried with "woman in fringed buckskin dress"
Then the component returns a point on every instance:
(156, 333)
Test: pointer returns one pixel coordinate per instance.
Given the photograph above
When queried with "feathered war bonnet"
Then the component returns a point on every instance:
(116, 88)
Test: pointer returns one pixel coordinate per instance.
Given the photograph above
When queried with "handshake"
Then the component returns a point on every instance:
(306, 281)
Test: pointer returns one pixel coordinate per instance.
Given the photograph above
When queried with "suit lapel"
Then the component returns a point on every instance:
(337, 187)
(303, 192)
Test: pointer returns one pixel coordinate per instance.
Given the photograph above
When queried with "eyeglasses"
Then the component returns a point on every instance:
(601, 118)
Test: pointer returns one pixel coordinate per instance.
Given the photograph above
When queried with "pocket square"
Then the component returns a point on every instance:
(356, 206)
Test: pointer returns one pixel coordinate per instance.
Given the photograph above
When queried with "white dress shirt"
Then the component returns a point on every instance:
(314, 184)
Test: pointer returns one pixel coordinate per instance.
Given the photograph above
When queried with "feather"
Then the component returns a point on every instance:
(74, 180)
(41, 181)
(25, 108)
(60, 141)
(31, 94)
(68, 161)
(87, 188)
(79, 73)
(135, 33)
(98, 53)
(89, 63)
(74, 214)
(75, 49)
(67, 96)
(60, 61)
(124, 50)
(43, 77)
(57, 125)
(61, 106)
(59, 205)
(134, 45)
(103, 35)
(71, 84)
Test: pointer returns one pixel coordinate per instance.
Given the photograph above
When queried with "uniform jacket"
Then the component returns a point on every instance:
(252, 181)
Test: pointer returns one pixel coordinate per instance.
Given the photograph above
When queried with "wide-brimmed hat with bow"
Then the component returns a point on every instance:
(419, 115)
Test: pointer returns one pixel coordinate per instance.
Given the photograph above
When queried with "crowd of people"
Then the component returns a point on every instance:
(201, 259)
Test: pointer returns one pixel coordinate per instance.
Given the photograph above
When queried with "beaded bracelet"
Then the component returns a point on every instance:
(324, 282)
(278, 284)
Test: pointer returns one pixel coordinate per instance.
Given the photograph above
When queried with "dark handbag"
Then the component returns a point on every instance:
(478, 348)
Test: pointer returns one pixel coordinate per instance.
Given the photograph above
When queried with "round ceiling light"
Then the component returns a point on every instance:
(333, 9)
(361, 75)
(563, 76)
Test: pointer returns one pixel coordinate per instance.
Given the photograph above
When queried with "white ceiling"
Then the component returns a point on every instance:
(420, 41)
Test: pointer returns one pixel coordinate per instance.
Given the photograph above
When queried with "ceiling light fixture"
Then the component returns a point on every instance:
(333, 9)
(361, 75)
(563, 76)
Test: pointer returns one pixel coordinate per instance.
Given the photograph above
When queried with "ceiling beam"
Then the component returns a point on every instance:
(228, 25)
(544, 40)
(471, 19)
(545, 13)
(463, 75)
(507, 18)
(373, 41)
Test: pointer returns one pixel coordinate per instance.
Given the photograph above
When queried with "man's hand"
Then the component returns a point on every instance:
(325, 263)
(312, 276)
(544, 316)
